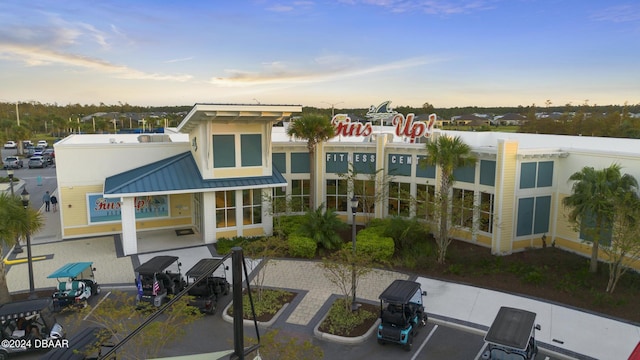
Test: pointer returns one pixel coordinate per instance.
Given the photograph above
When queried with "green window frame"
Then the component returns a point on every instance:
(337, 194)
(462, 207)
(425, 201)
(300, 195)
(365, 190)
(486, 212)
(399, 199)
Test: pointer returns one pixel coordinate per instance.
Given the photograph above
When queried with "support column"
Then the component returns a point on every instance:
(504, 213)
(129, 231)
(208, 221)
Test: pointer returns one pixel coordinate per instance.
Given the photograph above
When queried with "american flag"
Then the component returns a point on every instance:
(156, 287)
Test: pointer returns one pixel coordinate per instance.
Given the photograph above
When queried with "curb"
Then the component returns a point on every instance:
(246, 322)
(342, 339)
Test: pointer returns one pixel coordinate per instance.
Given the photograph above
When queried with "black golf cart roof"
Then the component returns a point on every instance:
(18, 309)
(156, 264)
(81, 342)
(204, 266)
(512, 328)
(400, 291)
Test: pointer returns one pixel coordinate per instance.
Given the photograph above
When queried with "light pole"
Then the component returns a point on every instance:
(354, 208)
(25, 202)
(16, 249)
(333, 107)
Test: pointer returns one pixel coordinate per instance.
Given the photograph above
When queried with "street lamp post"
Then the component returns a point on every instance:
(16, 249)
(354, 208)
(25, 202)
(333, 107)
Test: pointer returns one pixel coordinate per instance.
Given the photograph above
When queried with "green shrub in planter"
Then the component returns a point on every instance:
(301, 246)
(224, 245)
(378, 248)
(288, 224)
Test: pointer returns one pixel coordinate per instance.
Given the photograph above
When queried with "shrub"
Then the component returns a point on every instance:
(341, 320)
(224, 245)
(374, 246)
(286, 225)
(301, 246)
(405, 232)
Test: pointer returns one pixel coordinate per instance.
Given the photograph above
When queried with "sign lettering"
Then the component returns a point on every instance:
(405, 126)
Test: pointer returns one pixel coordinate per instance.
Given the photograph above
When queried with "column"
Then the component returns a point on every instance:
(129, 232)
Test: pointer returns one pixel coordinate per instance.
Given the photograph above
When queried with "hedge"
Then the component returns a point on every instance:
(380, 248)
(301, 246)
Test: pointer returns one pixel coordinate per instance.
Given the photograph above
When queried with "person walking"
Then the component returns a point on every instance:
(54, 203)
(46, 199)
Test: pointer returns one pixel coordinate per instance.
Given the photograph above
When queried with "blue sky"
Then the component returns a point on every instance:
(349, 53)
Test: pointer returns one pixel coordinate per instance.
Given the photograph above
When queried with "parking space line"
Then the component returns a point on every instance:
(98, 304)
(424, 342)
(484, 345)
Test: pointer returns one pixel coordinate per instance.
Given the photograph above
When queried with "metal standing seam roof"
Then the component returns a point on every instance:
(204, 266)
(180, 173)
(70, 270)
(24, 308)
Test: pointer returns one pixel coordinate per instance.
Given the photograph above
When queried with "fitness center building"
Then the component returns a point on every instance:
(219, 172)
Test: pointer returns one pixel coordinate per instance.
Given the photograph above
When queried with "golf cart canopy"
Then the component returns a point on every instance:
(511, 328)
(400, 292)
(204, 266)
(156, 264)
(18, 309)
(70, 270)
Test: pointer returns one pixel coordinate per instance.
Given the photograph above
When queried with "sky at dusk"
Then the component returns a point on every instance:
(342, 53)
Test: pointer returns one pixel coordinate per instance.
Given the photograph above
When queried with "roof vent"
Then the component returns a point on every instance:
(112, 141)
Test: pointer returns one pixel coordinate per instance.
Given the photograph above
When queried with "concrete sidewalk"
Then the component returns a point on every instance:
(569, 332)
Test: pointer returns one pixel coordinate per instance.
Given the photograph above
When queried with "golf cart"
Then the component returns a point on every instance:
(207, 292)
(157, 278)
(512, 336)
(28, 325)
(76, 284)
(401, 313)
(86, 344)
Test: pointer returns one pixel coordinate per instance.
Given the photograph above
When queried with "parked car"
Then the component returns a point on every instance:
(38, 151)
(76, 284)
(26, 143)
(29, 150)
(43, 143)
(37, 162)
(10, 145)
(49, 155)
(213, 287)
(28, 320)
(512, 335)
(157, 278)
(12, 162)
(401, 313)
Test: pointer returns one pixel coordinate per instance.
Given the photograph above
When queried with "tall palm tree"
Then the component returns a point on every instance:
(15, 220)
(447, 153)
(315, 129)
(593, 197)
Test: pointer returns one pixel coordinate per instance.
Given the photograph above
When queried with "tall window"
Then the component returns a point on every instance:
(486, 212)
(225, 209)
(337, 194)
(425, 200)
(400, 199)
(251, 206)
(279, 200)
(299, 195)
(462, 208)
(365, 190)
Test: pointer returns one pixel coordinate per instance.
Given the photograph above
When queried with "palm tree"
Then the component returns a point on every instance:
(593, 198)
(15, 220)
(447, 154)
(322, 227)
(315, 129)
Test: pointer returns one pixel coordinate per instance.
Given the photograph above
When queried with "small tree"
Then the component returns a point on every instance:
(265, 250)
(339, 269)
(275, 346)
(15, 221)
(625, 238)
(368, 197)
(119, 315)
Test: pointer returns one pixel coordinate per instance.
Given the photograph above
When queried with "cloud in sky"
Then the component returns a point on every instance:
(619, 13)
(434, 7)
(281, 73)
